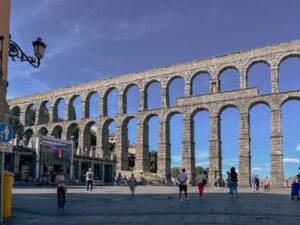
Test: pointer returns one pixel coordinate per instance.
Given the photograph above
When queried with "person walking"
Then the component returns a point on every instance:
(201, 180)
(257, 182)
(253, 183)
(182, 179)
(89, 180)
(267, 184)
(233, 182)
(132, 184)
(60, 182)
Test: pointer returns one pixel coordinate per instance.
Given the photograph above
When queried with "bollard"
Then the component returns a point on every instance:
(7, 194)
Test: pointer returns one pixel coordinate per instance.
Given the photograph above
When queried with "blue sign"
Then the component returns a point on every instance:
(6, 133)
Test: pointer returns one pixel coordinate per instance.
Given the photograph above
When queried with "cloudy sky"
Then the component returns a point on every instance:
(94, 39)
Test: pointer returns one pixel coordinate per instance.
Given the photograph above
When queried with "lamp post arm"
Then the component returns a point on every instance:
(14, 51)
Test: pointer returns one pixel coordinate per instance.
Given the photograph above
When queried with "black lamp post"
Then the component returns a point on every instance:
(14, 51)
(38, 48)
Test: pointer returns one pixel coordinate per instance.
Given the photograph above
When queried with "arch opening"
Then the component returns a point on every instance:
(229, 80)
(289, 74)
(259, 75)
(30, 115)
(291, 145)
(93, 107)
(132, 99)
(111, 101)
(175, 90)
(229, 131)
(153, 95)
(200, 84)
(260, 140)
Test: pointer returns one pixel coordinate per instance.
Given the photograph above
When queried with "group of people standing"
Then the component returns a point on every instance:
(256, 183)
(201, 181)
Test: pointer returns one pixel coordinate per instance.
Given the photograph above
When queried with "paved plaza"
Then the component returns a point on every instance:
(153, 205)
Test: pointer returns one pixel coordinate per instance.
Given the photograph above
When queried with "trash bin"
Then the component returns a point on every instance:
(7, 193)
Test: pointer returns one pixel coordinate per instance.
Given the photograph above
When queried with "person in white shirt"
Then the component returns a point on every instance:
(89, 179)
(60, 181)
(182, 179)
(201, 180)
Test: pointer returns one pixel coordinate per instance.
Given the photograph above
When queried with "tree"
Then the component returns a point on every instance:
(174, 172)
(153, 161)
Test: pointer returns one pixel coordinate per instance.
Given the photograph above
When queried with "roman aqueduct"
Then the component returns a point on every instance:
(214, 102)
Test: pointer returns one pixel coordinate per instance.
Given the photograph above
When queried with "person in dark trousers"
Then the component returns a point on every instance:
(60, 182)
(182, 179)
(295, 190)
(233, 182)
(89, 180)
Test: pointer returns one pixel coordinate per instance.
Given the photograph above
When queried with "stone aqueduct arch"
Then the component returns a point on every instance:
(243, 99)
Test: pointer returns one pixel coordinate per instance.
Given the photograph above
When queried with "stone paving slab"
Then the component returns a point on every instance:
(153, 205)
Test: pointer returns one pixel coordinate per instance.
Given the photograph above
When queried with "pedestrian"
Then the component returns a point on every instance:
(89, 180)
(233, 182)
(253, 183)
(201, 180)
(132, 184)
(257, 182)
(267, 184)
(182, 179)
(295, 190)
(221, 183)
(228, 182)
(60, 182)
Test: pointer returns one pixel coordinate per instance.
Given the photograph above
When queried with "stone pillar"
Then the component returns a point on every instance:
(102, 109)
(275, 79)
(121, 153)
(164, 153)
(142, 149)
(68, 113)
(164, 97)
(243, 79)
(64, 134)
(85, 108)
(23, 116)
(37, 115)
(215, 168)
(244, 178)
(276, 149)
(142, 99)
(81, 140)
(188, 148)
(188, 89)
(122, 104)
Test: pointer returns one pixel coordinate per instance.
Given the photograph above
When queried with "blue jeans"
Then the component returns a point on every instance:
(233, 187)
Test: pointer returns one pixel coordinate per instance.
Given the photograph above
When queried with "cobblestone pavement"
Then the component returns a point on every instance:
(153, 205)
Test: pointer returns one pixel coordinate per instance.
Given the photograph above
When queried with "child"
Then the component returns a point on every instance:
(295, 190)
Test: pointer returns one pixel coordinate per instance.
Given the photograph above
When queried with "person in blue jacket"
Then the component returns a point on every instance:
(295, 190)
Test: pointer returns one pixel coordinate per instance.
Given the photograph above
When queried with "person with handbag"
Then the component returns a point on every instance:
(201, 180)
(60, 182)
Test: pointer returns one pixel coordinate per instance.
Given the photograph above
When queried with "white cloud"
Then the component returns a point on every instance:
(201, 154)
(298, 147)
(256, 169)
(291, 160)
(177, 158)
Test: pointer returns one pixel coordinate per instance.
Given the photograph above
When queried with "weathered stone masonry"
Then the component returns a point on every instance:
(243, 99)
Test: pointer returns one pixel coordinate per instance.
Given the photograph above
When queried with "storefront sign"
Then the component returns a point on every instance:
(55, 151)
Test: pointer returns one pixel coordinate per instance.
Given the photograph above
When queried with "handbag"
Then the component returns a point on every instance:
(65, 189)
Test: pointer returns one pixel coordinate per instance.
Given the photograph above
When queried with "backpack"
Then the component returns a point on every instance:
(89, 175)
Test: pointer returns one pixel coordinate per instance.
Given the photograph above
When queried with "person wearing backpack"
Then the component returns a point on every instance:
(89, 179)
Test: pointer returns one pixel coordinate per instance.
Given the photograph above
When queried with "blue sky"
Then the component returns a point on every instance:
(95, 39)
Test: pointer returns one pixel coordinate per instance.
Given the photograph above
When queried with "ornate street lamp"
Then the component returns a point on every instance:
(14, 51)
(38, 48)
